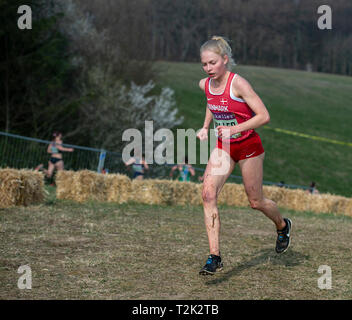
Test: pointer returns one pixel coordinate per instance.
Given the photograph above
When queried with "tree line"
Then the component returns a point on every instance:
(79, 66)
(278, 33)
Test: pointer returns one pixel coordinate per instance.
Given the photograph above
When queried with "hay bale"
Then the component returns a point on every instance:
(233, 194)
(347, 208)
(196, 197)
(20, 187)
(80, 186)
(294, 199)
(275, 194)
(64, 182)
(119, 188)
(140, 191)
(320, 203)
(33, 191)
(186, 193)
(328, 203)
(151, 191)
(88, 185)
(300, 200)
(165, 192)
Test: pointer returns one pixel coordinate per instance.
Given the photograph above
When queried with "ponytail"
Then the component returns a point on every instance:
(220, 46)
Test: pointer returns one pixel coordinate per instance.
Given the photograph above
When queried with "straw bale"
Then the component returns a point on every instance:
(20, 187)
(343, 205)
(166, 192)
(347, 209)
(33, 191)
(196, 198)
(88, 185)
(119, 188)
(332, 204)
(146, 191)
(275, 194)
(84, 185)
(294, 199)
(64, 182)
(159, 192)
(185, 193)
(320, 203)
(233, 194)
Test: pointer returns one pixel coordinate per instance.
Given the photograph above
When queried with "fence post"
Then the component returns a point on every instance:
(101, 160)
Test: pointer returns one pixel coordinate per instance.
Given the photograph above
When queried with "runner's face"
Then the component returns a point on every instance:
(58, 138)
(213, 64)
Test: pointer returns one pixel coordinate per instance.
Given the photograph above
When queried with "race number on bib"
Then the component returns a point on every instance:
(225, 119)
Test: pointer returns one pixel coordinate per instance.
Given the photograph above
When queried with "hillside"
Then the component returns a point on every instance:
(315, 104)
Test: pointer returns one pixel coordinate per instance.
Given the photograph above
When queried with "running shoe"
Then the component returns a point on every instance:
(284, 237)
(212, 265)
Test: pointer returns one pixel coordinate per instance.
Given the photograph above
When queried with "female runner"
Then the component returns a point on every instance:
(236, 111)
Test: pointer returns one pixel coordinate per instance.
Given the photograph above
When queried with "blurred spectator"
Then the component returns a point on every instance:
(185, 171)
(55, 150)
(138, 166)
(281, 184)
(312, 188)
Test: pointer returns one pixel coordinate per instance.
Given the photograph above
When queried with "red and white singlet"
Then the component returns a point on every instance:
(227, 109)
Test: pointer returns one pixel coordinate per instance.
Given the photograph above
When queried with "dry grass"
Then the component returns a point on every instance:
(136, 251)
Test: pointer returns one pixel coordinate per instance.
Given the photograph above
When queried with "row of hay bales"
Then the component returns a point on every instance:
(20, 187)
(86, 185)
(25, 187)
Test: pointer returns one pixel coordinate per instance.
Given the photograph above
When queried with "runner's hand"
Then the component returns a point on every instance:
(225, 132)
(202, 134)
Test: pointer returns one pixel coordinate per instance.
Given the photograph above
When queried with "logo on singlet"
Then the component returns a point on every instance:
(223, 101)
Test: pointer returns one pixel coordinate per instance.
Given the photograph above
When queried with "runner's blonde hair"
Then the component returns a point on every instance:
(220, 46)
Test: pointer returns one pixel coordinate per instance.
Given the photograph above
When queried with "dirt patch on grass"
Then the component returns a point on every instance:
(130, 251)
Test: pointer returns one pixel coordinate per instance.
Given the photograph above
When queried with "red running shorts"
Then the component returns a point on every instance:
(245, 149)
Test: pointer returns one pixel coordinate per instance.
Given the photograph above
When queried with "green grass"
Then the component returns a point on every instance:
(312, 103)
(133, 251)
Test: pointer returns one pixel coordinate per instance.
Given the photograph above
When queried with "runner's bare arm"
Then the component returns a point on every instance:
(130, 161)
(203, 133)
(145, 164)
(61, 148)
(243, 89)
(208, 119)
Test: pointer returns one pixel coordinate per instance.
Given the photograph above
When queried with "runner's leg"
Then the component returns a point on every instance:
(59, 165)
(220, 166)
(50, 170)
(252, 174)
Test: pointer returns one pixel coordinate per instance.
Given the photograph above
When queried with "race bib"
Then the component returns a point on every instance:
(225, 119)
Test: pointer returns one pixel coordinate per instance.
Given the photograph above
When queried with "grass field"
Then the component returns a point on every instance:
(311, 103)
(108, 251)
